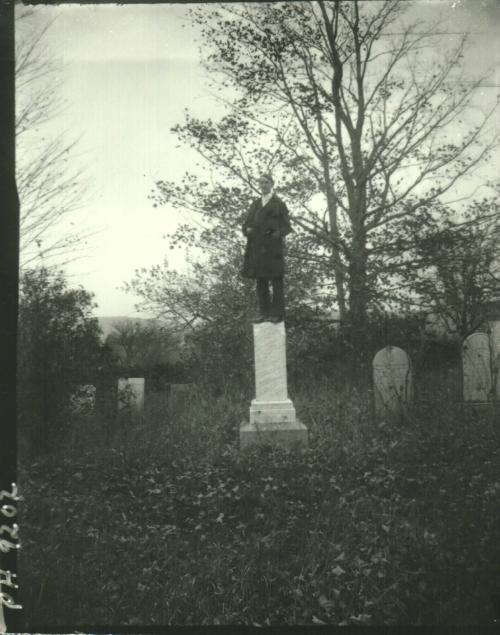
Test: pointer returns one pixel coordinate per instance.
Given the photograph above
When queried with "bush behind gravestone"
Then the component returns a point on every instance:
(58, 349)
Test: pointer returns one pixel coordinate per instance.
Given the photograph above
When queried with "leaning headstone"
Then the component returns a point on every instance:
(83, 400)
(495, 350)
(494, 327)
(178, 397)
(392, 382)
(476, 363)
(272, 413)
(131, 393)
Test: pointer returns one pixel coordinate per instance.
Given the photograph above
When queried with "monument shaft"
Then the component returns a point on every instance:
(272, 413)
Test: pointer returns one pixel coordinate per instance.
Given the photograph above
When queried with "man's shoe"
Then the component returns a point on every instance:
(276, 318)
(260, 318)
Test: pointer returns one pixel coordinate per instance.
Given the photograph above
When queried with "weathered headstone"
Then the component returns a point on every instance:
(83, 400)
(131, 393)
(392, 382)
(492, 312)
(179, 396)
(494, 324)
(476, 363)
(495, 336)
(272, 413)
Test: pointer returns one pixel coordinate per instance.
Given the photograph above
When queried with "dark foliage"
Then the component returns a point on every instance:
(373, 524)
(58, 348)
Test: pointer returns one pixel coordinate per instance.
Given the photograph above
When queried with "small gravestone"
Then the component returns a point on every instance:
(179, 396)
(493, 317)
(83, 400)
(476, 363)
(495, 350)
(131, 393)
(392, 382)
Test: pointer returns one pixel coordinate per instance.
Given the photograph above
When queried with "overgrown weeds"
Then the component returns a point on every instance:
(161, 520)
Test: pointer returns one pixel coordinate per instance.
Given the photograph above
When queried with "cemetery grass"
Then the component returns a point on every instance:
(160, 522)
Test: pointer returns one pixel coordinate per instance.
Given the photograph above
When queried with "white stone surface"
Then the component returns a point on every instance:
(476, 363)
(392, 381)
(272, 414)
(284, 434)
(495, 350)
(270, 361)
(136, 386)
(269, 411)
(495, 336)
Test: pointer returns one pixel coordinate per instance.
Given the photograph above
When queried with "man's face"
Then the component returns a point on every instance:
(265, 185)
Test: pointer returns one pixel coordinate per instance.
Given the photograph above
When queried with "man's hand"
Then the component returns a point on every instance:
(249, 230)
(274, 234)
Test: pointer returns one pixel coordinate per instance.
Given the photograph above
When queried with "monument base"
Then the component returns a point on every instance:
(284, 434)
(272, 411)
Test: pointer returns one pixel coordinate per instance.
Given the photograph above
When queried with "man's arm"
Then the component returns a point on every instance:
(284, 222)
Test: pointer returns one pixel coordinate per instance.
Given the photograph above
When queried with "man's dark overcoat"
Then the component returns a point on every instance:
(264, 253)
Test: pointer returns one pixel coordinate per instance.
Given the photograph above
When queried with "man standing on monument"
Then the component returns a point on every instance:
(265, 226)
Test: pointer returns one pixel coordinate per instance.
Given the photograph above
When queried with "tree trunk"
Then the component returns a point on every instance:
(336, 259)
(358, 296)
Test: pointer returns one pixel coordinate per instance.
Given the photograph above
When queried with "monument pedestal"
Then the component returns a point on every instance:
(272, 413)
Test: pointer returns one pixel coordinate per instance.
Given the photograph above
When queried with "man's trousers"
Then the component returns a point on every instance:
(268, 307)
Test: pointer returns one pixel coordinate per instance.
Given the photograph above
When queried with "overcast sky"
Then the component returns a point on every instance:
(129, 72)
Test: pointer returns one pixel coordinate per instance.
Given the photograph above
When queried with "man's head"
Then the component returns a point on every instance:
(266, 183)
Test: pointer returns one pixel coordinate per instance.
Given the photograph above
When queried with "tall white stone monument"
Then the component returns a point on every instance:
(272, 413)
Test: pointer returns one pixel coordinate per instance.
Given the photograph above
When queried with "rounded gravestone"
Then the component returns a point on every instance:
(179, 397)
(476, 364)
(131, 393)
(392, 382)
(494, 326)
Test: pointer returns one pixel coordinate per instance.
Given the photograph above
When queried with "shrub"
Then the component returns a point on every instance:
(58, 349)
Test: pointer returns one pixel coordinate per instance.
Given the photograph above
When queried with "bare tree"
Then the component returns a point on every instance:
(50, 182)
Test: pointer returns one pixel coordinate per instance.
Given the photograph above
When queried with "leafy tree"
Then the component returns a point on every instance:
(211, 305)
(50, 183)
(58, 348)
(356, 109)
(461, 272)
